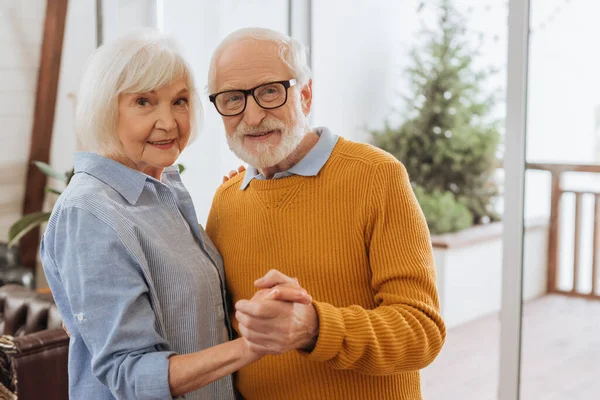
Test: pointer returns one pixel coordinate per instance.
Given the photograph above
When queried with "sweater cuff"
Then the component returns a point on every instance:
(331, 333)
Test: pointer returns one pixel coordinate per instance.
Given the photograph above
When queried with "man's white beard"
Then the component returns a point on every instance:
(264, 155)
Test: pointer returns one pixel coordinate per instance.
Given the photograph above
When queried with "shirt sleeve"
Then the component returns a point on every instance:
(405, 332)
(109, 301)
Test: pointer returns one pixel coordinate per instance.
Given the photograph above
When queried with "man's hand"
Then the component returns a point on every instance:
(66, 330)
(233, 173)
(284, 292)
(273, 322)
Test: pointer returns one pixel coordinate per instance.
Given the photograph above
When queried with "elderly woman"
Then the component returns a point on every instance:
(138, 282)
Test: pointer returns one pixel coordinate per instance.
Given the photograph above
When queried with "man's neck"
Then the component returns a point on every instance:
(308, 142)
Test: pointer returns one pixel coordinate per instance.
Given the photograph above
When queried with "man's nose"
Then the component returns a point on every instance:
(254, 114)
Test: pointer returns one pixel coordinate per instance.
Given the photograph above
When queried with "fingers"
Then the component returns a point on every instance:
(273, 278)
(285, 292)
(290, 293)
(233, 173)
(264, 325)
(260, 343)
(264, 308)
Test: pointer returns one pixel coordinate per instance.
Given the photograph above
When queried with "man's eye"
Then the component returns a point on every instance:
(234, 98)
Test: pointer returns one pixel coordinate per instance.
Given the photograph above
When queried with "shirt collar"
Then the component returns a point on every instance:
(311, 163)
(128, 182)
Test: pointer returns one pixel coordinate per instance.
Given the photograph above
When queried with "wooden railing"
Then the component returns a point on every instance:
(557, 193)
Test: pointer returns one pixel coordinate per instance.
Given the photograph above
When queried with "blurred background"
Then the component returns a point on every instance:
(424, 80)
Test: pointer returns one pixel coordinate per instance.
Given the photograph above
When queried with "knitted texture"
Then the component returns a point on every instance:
(356, 239)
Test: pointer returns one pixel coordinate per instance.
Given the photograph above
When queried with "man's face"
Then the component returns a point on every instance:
(263, 138)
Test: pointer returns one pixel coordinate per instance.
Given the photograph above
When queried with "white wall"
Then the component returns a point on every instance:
(122, 16)
(563, 82)
(358, 56)
(21, 26)
(79, 42)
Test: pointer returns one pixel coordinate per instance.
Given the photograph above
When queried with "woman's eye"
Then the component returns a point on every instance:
(181, 102)
(142, 102)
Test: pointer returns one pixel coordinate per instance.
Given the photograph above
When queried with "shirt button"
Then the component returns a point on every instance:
(80, 317)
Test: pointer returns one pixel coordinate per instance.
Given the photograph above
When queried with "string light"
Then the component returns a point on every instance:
(551, 17)
(482, 36)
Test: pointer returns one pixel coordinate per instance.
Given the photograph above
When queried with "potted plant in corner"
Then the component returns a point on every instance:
(30, 221)
(448, 142)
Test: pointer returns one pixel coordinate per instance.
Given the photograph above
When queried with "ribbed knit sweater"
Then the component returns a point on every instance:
(356, 239)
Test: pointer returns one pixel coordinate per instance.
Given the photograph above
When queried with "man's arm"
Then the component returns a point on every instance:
(405, 332)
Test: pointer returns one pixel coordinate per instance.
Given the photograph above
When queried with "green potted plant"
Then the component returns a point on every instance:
(447, 142)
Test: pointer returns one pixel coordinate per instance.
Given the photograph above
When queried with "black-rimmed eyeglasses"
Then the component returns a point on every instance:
(269, 96)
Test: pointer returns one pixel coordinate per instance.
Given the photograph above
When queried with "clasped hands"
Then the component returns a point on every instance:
(279, 318)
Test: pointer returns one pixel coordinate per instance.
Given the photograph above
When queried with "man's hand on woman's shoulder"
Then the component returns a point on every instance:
(233, 173)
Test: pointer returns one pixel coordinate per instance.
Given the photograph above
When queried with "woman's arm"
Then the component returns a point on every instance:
(95, 274)
(188, 372)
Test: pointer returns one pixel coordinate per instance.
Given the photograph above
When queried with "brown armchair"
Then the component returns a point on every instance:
(33, 347)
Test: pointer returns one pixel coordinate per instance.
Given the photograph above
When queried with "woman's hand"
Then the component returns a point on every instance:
(233, 173)
(279, 317)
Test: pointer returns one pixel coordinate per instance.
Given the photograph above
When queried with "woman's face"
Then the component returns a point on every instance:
(154, 127)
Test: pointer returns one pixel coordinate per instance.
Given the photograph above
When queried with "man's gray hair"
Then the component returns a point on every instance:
(139, 62)
(291, 51)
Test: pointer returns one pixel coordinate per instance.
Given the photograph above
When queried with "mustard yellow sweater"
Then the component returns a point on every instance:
(356, 239)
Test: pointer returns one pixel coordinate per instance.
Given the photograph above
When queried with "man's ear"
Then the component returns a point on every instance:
(306, 97)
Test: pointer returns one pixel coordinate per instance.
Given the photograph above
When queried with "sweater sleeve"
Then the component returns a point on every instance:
(212, 222)
(405, 332)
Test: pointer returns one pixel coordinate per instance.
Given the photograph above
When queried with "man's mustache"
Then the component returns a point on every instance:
(265, 126)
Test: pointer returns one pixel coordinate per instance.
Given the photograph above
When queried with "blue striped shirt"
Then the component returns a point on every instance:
(136, 280)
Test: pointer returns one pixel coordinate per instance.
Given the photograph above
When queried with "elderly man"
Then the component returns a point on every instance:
(338, 216)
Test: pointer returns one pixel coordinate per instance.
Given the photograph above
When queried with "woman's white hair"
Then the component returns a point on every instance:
(291, 51)
(138, 62)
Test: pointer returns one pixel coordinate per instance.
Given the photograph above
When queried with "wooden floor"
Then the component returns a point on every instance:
(560, 355)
